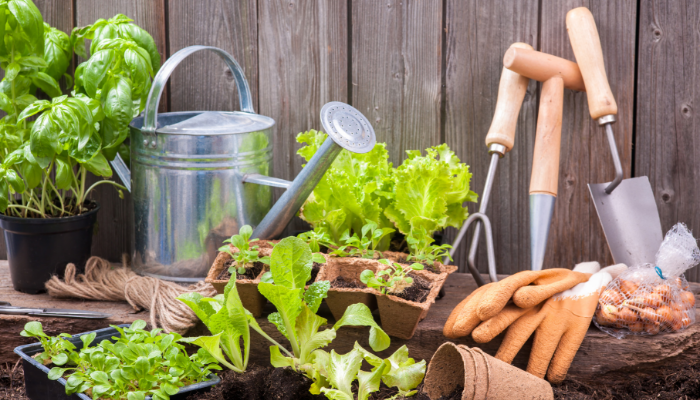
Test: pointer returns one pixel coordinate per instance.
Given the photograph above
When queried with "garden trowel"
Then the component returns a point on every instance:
(626, 207)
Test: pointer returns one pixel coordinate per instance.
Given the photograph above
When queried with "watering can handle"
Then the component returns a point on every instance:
(150, 121)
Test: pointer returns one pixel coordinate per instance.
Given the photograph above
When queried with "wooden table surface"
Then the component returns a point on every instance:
(599, 353)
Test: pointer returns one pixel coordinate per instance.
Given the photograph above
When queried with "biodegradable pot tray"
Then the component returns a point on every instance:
(251, 298)
(401, 317)
(396, 256)
(38, 386)
(481, 376)
(349, 268)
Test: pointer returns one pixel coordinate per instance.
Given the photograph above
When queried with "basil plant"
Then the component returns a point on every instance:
(48, 146)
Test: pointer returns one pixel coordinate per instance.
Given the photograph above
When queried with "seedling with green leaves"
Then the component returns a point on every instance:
(422, 248)
(246, 254)
(365, 245)
(56, 348)
(296, 319)
(392, 280)
(229, 322)
(138, 364)
(317, 238)
(341, 371)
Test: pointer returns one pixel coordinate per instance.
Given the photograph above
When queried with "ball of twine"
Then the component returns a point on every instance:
(102, 281)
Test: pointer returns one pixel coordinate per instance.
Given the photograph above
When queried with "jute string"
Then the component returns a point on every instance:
(102, 281)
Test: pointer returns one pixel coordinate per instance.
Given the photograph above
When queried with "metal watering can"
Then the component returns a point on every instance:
(198, 176)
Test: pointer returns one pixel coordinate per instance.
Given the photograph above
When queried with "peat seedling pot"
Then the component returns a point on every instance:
(400, 317)
(38, 386)
(349, 269)
(481, 376)
(400, 258)
(251, 298)
(38, 248)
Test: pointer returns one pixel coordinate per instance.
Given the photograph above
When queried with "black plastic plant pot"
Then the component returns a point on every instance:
(38, 386)
(38, 248)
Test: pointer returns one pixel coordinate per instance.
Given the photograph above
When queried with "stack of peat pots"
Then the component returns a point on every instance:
(399, 317)
(481, 376)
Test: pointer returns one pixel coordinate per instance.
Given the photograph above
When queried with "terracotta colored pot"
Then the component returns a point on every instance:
(401, 317)
(251, 298)
(401, 257)
(349, 268)
(481, 376)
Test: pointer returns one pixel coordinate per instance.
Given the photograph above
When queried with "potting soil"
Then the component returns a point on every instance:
(417, 292)
(315, 268)
(250, 273)
(12, 382)
(341, 282)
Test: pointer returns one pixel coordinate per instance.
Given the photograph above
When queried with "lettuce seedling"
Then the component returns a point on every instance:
(341, 371)
(422, 248)
(317, 238)
(296, 319)
(390, 280)
(366, 245)
(229, 322)
(138, 364)
(247, 254)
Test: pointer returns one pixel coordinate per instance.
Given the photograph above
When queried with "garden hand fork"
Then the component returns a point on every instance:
(499, 140)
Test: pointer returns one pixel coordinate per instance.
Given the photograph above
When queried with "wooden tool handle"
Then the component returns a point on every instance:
(542, 66)
(511, 92)
(589, 55)
(545, 160)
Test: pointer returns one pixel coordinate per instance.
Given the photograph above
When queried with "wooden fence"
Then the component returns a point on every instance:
(426, 72)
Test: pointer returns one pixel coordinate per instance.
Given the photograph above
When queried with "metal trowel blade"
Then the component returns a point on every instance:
(630, 220)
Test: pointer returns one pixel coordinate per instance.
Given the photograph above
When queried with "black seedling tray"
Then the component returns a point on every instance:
(38, 386)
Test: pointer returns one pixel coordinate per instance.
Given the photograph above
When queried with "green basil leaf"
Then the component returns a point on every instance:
(13, 158)
(144, 40)
(138, 69)
(95, 71)
(99, 166)
(3, 21)
(6, 103)
(116, 101)
(64, 175)
(85, 154)
(43, 140)
(103, 32)
(33, 62)
(12, 71)
(47, 84)
(24, 101)
(57, 52)
(32, 174)
(29, 18)
(33, 109)
(15, 180)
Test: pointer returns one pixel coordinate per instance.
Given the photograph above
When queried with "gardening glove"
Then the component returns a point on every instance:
(528, 287)
(560, 324)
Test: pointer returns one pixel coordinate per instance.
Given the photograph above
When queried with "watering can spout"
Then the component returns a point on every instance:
(347, 129)
(122, 171)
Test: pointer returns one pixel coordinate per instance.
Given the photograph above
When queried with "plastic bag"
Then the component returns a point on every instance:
(649, 299)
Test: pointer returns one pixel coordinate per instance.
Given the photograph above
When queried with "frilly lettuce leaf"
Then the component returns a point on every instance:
(429, 191)
(352, 191)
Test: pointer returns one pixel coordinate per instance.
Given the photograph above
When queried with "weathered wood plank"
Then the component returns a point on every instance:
(667, 143)
(303, 65)
(114, 219)
(475, 44)
(575, 234)
(203, 81)
(396, 71)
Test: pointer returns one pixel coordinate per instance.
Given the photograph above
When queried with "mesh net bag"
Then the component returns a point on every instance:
(650, 299)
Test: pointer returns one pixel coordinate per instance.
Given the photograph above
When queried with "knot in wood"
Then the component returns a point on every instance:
(686, 110)
(657, 33)
(667, 196)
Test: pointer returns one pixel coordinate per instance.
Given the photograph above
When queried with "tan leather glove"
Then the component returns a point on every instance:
(526, 288)
(560, 325)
